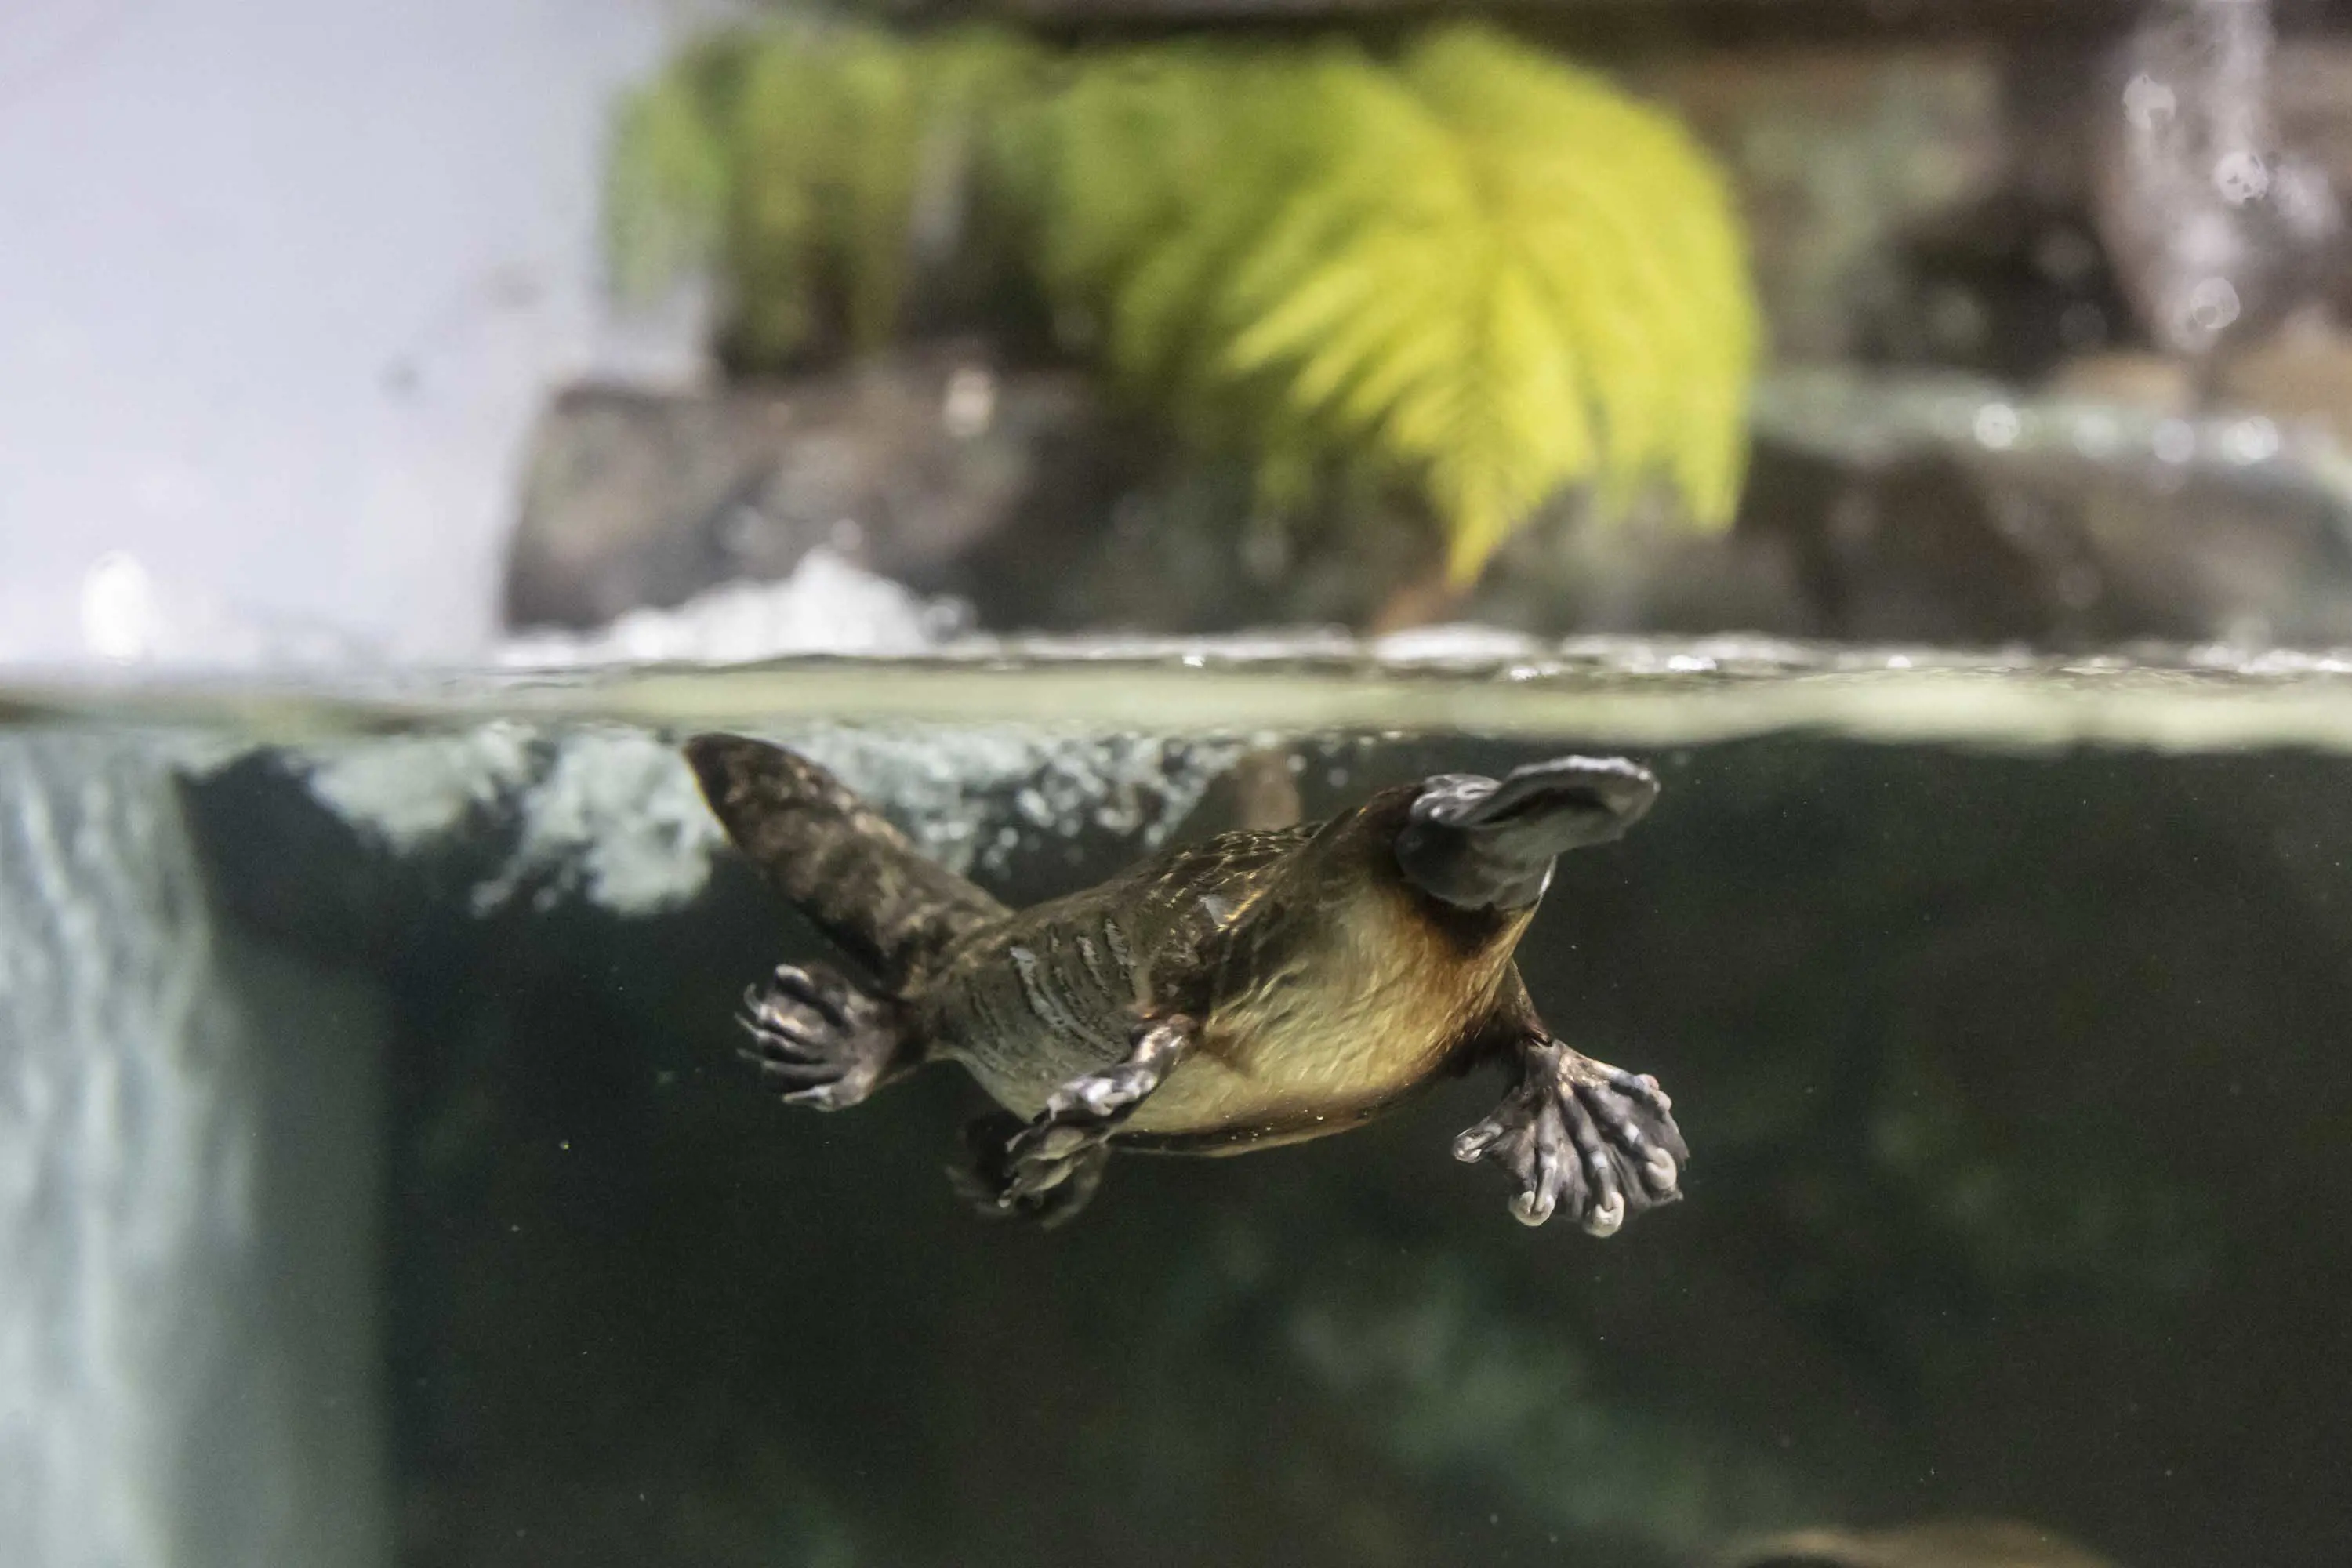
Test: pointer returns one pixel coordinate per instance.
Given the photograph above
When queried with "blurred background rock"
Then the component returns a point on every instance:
(2052, 299)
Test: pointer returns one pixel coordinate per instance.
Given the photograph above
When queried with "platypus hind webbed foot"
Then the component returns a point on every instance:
(1583, 1134)
(818, 1040)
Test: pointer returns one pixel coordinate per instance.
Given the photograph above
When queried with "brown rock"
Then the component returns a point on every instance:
(1879, 507)
(1953, 1543)
(2156, 383)
(635, 499)
(2303, 376)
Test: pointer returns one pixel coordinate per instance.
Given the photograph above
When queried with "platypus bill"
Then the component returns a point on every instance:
(1257, 989)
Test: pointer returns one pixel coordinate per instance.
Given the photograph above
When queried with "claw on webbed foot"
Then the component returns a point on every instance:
(1580, 1134)
(817, 1040)
(1047, 1194)
(1066, 1143)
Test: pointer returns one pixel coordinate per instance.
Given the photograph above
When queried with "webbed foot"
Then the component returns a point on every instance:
(1580, 1133)
(818, 1040)
(1082, 1115)
(985, 1182)
(1068, 1142)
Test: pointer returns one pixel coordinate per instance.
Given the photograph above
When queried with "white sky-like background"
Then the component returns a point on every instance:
(283, 284)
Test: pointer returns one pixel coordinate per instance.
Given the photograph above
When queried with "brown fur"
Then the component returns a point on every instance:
(1263, 987)
(1328, 988)
(1342, 989)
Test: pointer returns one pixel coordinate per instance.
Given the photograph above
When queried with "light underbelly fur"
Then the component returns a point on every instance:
(1353, 1026)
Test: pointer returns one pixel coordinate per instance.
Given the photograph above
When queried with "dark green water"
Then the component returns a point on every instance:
(2002, 1005)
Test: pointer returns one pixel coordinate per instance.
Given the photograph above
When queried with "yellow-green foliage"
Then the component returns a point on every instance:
(807, 161)
(1473, 268)
(667, 184)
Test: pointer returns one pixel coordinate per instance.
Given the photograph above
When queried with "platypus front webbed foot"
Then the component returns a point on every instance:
(1583, 1134)
(1068, 1139)
(986, 1181)
(818, 1040)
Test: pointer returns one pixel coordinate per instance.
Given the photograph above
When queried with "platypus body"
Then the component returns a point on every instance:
(1258, 988)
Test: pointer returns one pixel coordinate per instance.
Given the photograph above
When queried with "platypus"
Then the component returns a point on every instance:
(1251, 990)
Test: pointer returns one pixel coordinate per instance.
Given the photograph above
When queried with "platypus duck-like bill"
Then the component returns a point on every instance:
(1257, 988)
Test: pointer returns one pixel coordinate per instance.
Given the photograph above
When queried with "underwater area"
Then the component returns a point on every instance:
(378, 1185)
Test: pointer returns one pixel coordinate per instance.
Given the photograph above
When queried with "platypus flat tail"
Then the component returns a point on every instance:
(857, 878)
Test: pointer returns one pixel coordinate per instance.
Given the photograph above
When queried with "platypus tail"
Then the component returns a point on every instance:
(856, 877)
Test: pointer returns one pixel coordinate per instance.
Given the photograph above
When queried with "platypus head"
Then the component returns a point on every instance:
(1478, 844)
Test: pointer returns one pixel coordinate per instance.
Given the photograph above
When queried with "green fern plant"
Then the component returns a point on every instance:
(1159, 170)
(1478, 267)
(1473, 270)
(815, 168)
(669, 171)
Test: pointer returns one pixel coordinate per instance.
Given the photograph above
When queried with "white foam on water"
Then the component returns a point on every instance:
(828, 605)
